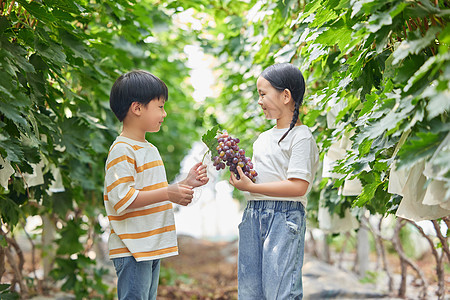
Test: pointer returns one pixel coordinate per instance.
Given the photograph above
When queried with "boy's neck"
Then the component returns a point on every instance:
(132, 134)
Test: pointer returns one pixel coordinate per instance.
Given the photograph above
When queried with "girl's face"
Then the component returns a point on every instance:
(270, 99)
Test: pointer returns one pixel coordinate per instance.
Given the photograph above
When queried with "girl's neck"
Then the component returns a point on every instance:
(281, 124)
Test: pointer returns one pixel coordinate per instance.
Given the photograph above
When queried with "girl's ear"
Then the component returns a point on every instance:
(286, 96)
(135, 108)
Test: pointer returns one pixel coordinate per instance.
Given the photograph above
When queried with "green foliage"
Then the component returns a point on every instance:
(168, 276)
(370, 277)
(80, 277)
(58, 61)
(388, 63)
(6, 294)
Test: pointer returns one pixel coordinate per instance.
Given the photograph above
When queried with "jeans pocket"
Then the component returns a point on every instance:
(294, 221)
(118, 263)
(244, 218)
(292, 226)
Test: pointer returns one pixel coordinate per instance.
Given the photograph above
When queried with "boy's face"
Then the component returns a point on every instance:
(153, 115)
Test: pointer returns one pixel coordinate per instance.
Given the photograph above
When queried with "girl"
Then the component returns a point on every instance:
(272, 231)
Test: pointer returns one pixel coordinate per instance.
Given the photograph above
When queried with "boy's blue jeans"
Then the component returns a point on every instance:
(271, 248)
(136, 280)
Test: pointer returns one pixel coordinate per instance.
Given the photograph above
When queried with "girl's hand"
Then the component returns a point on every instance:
(244, 183)
(197, 176)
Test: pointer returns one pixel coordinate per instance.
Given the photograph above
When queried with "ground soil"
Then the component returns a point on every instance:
(209, 267)
(208, 270)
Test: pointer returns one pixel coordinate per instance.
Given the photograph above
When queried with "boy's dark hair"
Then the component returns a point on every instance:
(135, 86)
(287, 76)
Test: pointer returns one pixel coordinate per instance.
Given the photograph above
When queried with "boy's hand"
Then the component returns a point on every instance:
(180, 193)
(197, 176)
(243, 184)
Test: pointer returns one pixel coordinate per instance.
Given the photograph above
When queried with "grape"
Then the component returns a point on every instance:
(229, 154)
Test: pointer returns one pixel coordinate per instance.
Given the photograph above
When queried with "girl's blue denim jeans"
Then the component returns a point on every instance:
(271, 249)
(136, 280)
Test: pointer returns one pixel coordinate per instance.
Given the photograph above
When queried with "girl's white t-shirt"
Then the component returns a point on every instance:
(296, 156)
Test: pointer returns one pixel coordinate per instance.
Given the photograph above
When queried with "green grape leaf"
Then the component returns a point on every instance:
(418, 147)
(38, 10)
(415, 44)
(209, 138)
(9, 211)
(367, 194)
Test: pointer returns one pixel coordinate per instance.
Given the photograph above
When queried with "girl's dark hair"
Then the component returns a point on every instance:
(287, 76)
(135, 86)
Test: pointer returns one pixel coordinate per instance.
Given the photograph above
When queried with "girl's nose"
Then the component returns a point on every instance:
(260, 101)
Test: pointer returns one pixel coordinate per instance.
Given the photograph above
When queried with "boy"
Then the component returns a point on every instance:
(137, 198)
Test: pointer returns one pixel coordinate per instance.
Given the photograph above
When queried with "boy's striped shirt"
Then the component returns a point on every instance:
(148, 232)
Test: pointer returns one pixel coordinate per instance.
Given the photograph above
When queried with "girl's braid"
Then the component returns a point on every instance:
(294, 119)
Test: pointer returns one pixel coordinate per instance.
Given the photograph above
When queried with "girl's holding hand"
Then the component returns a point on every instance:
(272, 231)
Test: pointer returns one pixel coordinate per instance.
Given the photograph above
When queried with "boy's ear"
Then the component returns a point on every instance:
(135, 108)
(286, 96)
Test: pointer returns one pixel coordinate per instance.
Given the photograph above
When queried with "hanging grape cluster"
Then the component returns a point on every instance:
(228, 153)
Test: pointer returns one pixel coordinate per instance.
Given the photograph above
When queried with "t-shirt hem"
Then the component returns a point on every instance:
(145, 258)
(158, 256)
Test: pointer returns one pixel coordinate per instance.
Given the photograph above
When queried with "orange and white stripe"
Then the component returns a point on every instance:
(146, 233)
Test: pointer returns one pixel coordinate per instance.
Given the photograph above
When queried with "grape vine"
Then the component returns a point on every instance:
(228, 153)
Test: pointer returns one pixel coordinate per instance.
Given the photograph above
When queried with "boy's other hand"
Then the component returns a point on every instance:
(180, 193)
(197, 176)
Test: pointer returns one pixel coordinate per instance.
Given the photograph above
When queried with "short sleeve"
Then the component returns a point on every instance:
(303, 159)
(120, 178)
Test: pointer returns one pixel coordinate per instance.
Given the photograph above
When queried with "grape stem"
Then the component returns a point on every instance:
(209, 151)
(204, 155)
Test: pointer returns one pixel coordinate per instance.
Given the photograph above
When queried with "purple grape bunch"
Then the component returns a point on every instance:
(229, 154)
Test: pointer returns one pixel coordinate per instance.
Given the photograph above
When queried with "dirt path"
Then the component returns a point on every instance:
(206, 270)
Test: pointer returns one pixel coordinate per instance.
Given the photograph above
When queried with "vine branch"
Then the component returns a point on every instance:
(405, 260)
(439, 265)
(444, 242)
